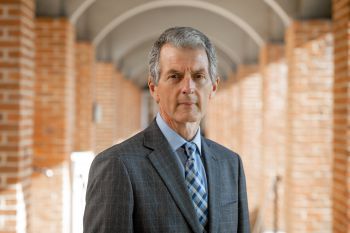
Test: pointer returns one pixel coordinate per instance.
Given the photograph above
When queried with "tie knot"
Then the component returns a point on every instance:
(190, 148)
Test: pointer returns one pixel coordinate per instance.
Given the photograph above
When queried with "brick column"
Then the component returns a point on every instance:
(132, 109)
(274, 71)
(84, 97)
(212, 118)
(250, 93)
(219, 121)
(120, 102)
(128, 108)
(235, 103)
(54, 124)
(105, 96)
(341, 110)
(16, 115)
(309, 127)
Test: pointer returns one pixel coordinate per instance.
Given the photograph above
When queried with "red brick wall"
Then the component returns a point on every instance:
(250, 92)
(274, 72)
(234, 120)
(221, 121)
(128, 108)
(309, 127)
(279, 124)
(84, 97)
(215, 115)
(120, 101)
(54, 123)
(16, 112)
(341, 141)
(105, 96)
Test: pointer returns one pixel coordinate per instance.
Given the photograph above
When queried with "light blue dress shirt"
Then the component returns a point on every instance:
(176, 142)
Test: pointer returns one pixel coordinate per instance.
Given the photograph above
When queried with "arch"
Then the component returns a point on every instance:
(279, 11)
(217, 43)
(186, 3)
(80, 10)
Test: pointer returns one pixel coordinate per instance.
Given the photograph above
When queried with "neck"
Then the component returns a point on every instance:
(186, 130)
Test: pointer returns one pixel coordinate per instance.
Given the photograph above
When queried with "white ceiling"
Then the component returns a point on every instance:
(124, 30)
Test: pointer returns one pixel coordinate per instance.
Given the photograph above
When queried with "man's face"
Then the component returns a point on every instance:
(184, 88)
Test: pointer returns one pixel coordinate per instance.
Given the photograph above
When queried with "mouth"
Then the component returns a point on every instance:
(187, 103)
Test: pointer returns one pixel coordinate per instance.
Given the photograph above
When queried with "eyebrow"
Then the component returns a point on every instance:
(173, 71)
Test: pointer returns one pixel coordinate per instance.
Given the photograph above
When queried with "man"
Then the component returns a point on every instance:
(168, 178)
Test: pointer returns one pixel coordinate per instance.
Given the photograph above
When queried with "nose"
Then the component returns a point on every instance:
(188, 85)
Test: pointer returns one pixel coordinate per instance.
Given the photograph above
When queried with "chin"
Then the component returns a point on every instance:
(192, 118)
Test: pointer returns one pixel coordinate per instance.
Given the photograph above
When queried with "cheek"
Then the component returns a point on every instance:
(164, 101)
(206, 97)
(210, 94)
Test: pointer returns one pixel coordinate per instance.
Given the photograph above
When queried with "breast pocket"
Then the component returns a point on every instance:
(228, 198)
(228, 202)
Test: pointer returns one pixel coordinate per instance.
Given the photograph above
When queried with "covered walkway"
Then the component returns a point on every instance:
(73, 77)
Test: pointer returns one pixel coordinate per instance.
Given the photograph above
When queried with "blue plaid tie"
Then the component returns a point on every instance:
(196, 185)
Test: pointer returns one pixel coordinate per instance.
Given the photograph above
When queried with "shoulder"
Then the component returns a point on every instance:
(129, 148)
(221, 152)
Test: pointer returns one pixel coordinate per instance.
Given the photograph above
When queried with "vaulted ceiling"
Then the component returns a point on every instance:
(123, 30)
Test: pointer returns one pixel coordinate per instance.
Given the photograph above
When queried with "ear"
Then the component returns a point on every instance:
(214, 88)
(153, 89)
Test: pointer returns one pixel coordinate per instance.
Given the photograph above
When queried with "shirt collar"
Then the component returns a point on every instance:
(174, 139)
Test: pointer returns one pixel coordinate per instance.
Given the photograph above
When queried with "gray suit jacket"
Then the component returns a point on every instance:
(137, 186)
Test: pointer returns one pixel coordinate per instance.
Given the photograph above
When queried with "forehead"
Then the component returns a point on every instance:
(183, 58)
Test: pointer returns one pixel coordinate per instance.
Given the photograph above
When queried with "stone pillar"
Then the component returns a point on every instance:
(54, 125)
(16, 114)
(309, 127)
(274, 71)
(341, 122)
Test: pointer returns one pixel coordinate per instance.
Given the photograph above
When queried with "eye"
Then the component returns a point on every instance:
(173, 76)
(200, 76)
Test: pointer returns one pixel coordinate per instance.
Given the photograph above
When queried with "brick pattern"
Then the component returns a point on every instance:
(250, 92)
(274, 71)
(16, 115)
(55, 83)
(106, 99)
(84, 97)
(341, 111)
(221, 122)
(128, 108)
(309, 127)
(286, 122)
(120, 103)
(213, 117)
(48, 201)
(234, 120)
(54, 121)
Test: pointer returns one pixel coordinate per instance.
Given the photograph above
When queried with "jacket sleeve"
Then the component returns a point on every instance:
(243, 218)
(109, 197)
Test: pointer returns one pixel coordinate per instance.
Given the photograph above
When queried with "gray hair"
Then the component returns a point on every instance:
(182, 37)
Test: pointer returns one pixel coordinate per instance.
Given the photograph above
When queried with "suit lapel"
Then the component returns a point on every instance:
(213, 177)
(168, 168)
